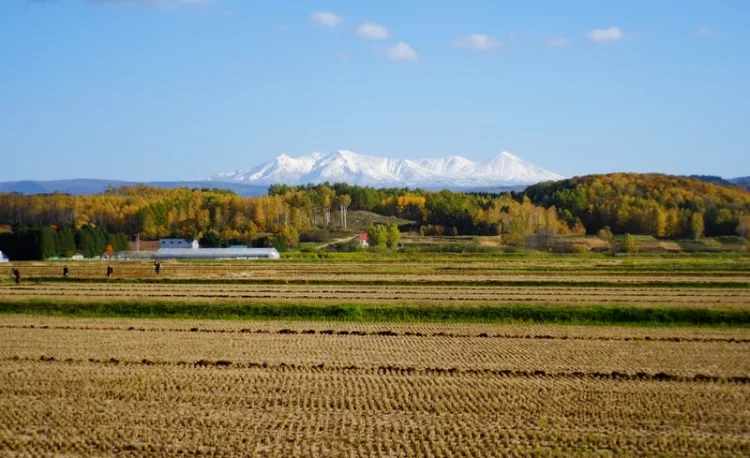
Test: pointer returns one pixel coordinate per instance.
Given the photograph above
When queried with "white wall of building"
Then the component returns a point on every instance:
(177, 243)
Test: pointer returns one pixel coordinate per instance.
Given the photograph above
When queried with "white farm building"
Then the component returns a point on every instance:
(2, 257)
(177, 243)
(191, 250)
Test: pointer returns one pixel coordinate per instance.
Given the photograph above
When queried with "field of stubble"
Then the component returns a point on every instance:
(100, 386)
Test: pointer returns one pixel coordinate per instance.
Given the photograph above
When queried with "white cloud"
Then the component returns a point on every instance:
(477, 41)
(559, 42)
(372, 31)
(325, 19)
(403, 52)
(605, 36)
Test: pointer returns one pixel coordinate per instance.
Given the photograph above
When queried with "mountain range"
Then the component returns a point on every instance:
(504, 172)
(83, 186)
(454, 172)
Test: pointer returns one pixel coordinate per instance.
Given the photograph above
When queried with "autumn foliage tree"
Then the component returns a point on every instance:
(628, 244)
(650, 204)
(658, 205)
(696, 226)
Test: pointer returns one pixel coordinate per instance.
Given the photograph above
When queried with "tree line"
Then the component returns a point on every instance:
(649, 204)
(283, 213)
(65, 241)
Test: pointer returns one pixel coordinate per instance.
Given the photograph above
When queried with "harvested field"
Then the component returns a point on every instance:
(693, 290)
(422, 358)
(333, 293)
(275, 389)
(656, 270)
(382, 347)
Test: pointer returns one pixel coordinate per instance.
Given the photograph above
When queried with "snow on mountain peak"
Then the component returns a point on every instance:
(505, 169)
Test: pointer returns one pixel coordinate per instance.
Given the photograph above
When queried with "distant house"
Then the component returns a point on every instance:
(361, 241)
(2, 257)
(178, 243)
(77, 257)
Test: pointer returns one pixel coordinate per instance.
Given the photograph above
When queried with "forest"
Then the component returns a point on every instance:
(650, 204)
(65, 241)
(284, 212)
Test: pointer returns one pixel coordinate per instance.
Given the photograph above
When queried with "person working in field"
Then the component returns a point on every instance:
(110, 271)
(157, 267)
(66, 272)
(17, 275)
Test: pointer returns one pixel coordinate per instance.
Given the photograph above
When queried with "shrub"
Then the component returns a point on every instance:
(605, 234)
(578, 249)
(628, 244)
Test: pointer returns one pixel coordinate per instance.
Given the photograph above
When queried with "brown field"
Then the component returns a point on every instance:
(617, 282)
(187, 387)
(86, 387)
(384, 294)
(613, 271)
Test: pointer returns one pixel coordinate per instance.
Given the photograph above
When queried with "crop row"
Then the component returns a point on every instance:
(550, 264)
(386, 294)
(103, 408)
(72, 285)
(715, 358)
(392, 369)
(355, 279)
(439, 329)
(375, 273)
(389, 333)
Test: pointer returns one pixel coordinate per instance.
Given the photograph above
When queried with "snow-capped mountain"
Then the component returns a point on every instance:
(505, 169)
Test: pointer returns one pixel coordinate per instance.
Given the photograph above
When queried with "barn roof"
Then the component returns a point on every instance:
(217, 253)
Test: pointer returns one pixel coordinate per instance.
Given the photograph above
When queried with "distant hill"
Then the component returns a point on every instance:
(712, 179)
(648, 203)
(743, 182)
(83, 186)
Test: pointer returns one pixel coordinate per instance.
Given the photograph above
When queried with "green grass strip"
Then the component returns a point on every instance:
(501, 313)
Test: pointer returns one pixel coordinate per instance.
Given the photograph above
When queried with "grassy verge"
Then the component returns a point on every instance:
(528, 313)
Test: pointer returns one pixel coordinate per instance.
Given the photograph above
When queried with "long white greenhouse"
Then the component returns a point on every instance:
(216, 253)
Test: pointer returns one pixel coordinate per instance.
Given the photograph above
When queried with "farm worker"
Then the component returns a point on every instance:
(157, 267)
(110, 271)
(66, 271)
(17, 274)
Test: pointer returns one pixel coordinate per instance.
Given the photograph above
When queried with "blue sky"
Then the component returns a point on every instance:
(182, 89)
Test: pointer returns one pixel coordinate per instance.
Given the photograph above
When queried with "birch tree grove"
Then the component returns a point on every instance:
(344, 202)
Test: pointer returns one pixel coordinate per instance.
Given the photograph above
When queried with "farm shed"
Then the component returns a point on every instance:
(361, 241)
(217, 253)
(2, 257)
(178, 243)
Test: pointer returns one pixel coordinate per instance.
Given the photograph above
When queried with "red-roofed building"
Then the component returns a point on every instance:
(362, 241)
